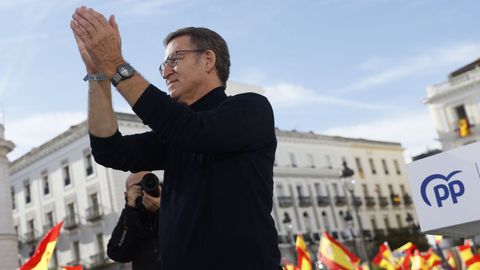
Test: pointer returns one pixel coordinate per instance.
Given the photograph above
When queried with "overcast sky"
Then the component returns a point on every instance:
(355, 68)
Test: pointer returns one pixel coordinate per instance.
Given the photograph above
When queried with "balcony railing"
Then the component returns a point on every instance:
(71, 222)
(383, 201)
(340, 200)
(94, 213)
(370, 201)
(97, 260)
(407, 200)
(304, 201)
(395, 198)
(357, 201)
(285, 201)
(323, 200)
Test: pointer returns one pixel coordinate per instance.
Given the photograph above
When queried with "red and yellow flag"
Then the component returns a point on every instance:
(384, 258)
(418, 261)
(451, 261)
(473, 263)
(335, 256)
(465, 252)
(76, 267)
(43, 253)
(432, 259)
(408, 246)
(304, 262)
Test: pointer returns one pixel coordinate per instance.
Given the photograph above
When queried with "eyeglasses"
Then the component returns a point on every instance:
(175, 57)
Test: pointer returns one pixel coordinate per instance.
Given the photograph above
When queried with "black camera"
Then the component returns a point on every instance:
(149, 184)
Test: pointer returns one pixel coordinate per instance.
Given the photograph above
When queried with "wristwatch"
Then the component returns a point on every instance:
(124, 71)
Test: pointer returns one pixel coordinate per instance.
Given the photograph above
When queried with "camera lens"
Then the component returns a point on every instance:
(150, 184)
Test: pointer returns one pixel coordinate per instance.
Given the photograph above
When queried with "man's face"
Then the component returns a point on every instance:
(187, 75)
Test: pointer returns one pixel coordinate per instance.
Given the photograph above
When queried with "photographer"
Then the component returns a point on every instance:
(135, 237)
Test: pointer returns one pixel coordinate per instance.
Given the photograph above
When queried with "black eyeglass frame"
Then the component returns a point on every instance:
(173, 58)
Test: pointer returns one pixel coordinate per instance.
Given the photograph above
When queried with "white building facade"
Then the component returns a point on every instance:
(59, 180)
(455, 107)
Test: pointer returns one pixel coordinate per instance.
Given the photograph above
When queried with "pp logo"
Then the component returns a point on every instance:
(442, 192)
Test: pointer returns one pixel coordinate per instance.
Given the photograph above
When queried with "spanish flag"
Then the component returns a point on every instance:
(473, 263)
(465, 252)
(303, 257)
(384, 258)
(432, 259)
(451, 261)
(418, 262)
(335, 256)
(406, 247)
(43, 253)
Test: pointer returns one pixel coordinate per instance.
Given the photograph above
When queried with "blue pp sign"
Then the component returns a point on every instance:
(452, 189)
(446, 191)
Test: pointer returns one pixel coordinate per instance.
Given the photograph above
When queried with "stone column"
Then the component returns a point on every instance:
(8, 236)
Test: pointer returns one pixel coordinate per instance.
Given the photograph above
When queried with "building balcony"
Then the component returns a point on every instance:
(304, 201)
(98, 260)
(340, 200)
(71, 222)
(74, 262)
(357, 201)
(370, 201)
(285, 201)
(407, 200)
(382, 201)
(395, 199)
(323, 200)
(94, 213)
(379, 233)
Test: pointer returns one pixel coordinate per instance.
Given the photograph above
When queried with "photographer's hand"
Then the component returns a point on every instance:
(151, 203)
(132, 194)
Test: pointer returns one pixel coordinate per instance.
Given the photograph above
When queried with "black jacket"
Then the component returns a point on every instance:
(218, 157)
(135, 239)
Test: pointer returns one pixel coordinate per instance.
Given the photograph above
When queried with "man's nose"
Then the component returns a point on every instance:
(167, 71)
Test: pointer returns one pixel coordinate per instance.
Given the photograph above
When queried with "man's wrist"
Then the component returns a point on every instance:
(95, 77)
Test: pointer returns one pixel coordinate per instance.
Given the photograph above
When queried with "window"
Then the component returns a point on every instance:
(385, 167)
(76, 251)
(94, 200)
(311, 161)
(49, 219)
(326, 221)
(280, 190)
(335, 189)
(16, 229)
(373, 221)
(399, 220)
(28, 197)
(387, 222)
(390, 188)
(318, 189)
(365, 190)
(328, 161)
(402, 189)
(100, 247)
(397, 167)
(87, 156)
(71, 209)
(359, 167)
(293, 160)
(31, 226)
(12, 192)
(378, 190)
(66, 174)
(372, 166)
(300, 190)
(46, 184)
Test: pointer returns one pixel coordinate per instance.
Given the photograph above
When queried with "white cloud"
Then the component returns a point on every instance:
(414, 131)
(458, 54)
(35, 130)
(284, 95)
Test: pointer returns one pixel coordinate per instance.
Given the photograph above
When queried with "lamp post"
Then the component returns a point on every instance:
(349, 182)
(411, 225)
(287, 222)
(349, 221)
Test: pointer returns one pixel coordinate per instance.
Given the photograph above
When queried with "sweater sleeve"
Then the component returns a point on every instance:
(241, 123)
(138, 152)
(121, 247)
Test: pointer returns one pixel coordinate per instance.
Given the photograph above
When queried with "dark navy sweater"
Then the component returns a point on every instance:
(218, 157)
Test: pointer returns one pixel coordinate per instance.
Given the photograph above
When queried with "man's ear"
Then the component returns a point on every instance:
(211, 60)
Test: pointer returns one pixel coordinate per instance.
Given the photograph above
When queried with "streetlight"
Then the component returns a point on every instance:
(349, 221)
(411, 225)
(287, 222)
(349, 182)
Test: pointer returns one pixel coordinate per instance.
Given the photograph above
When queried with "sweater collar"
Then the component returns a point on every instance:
(210, 100)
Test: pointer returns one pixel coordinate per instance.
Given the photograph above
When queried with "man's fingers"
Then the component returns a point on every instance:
(113, 23)
(82, 21)
(98, 16)
(79, 32)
